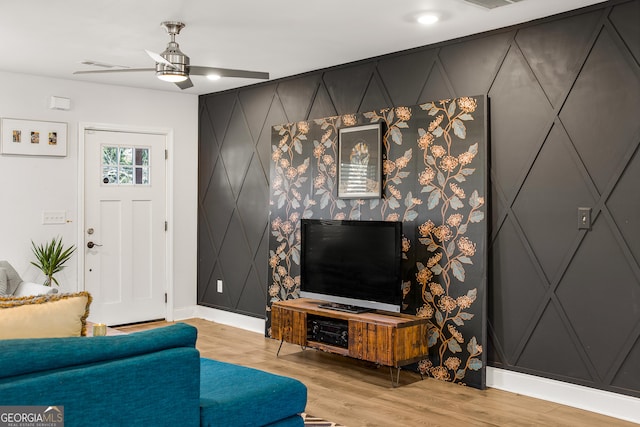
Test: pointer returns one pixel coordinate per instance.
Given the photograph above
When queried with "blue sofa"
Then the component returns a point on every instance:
(149, 378)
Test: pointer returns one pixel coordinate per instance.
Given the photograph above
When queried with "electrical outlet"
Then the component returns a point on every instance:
(54, 217)
(219, 286)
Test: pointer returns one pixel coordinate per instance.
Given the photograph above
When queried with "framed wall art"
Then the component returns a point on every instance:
(33, 138)
(360, 163)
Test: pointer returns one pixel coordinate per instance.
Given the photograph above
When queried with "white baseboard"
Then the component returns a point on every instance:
(241, 321)
(587, 398)
(183, 313)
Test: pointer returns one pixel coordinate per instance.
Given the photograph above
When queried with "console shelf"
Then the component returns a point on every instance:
(388, 339)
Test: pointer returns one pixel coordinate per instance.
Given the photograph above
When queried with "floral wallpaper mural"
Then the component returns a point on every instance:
(434, 162)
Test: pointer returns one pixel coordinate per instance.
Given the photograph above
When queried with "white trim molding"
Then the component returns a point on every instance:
(241, 321)
(590, 399)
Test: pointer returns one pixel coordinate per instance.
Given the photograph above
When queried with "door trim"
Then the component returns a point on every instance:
(168, 134)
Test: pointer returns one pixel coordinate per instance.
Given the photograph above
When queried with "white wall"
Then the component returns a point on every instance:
(30, 185)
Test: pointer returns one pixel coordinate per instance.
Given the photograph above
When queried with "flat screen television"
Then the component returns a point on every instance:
(352, 265)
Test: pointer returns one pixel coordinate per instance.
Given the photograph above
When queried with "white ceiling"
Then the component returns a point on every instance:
(282, 37)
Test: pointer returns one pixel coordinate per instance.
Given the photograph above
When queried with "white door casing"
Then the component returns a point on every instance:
(125, 211)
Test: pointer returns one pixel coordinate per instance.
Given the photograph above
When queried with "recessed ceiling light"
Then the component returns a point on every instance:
(428, 19)
(213, 76)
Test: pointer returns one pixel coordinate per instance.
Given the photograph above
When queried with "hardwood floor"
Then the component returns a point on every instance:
(355, 393)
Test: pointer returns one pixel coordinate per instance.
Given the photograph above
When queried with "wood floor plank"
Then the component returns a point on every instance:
(359, 394)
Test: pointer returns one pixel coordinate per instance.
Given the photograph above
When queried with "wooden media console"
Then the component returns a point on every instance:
(384, 338)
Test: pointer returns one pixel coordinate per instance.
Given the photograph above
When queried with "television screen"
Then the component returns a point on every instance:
(354, 263)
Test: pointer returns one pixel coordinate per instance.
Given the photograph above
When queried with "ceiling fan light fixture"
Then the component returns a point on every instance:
(172, 77)
(428, 19)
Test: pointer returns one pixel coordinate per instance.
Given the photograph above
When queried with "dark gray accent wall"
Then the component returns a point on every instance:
(564, 102)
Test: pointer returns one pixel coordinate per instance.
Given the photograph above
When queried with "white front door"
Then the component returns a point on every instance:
(124, 233)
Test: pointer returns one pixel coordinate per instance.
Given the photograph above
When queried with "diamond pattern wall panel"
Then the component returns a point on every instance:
(606, 82)
(553, 63)
(403, 74)
(551, 337)
(346, 86)
(237, 150)
(515, 293)
(554, 180)
(611, 295)
(625, 20)
(472, 65)
(517, 99)
(624, 205)
(564, 107)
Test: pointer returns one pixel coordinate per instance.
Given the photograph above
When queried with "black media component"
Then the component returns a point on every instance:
(328, 331)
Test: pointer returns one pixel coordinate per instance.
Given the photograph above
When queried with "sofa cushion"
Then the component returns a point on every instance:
(3, 281)
(232, 395)
(44, 316)
(21, 356)
(13, 278)
(155, 389)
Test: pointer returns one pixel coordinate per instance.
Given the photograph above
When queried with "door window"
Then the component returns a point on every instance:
(125, 165)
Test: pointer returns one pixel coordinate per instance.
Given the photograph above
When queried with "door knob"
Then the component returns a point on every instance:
(90, 245)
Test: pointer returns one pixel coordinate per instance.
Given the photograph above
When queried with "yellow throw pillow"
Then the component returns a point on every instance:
(44, 316)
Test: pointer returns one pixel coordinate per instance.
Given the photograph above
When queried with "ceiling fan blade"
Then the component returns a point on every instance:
(186, 84)
(123, 70)
(226, 72)
(160, 60)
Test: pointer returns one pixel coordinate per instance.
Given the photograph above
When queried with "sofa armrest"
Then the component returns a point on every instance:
(29, 288)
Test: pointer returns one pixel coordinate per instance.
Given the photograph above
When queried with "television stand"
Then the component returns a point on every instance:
(344, 307)
(384, 338)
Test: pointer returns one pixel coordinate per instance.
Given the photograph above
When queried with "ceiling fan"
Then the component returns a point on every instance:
(173, 66)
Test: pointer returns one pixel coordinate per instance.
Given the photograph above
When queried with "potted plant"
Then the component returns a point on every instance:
(51, 258)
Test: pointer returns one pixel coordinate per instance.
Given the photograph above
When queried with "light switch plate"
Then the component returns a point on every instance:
(584, 218)
(54, 217)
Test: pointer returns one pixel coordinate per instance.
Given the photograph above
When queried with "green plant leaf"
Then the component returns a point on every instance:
(51, 257)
